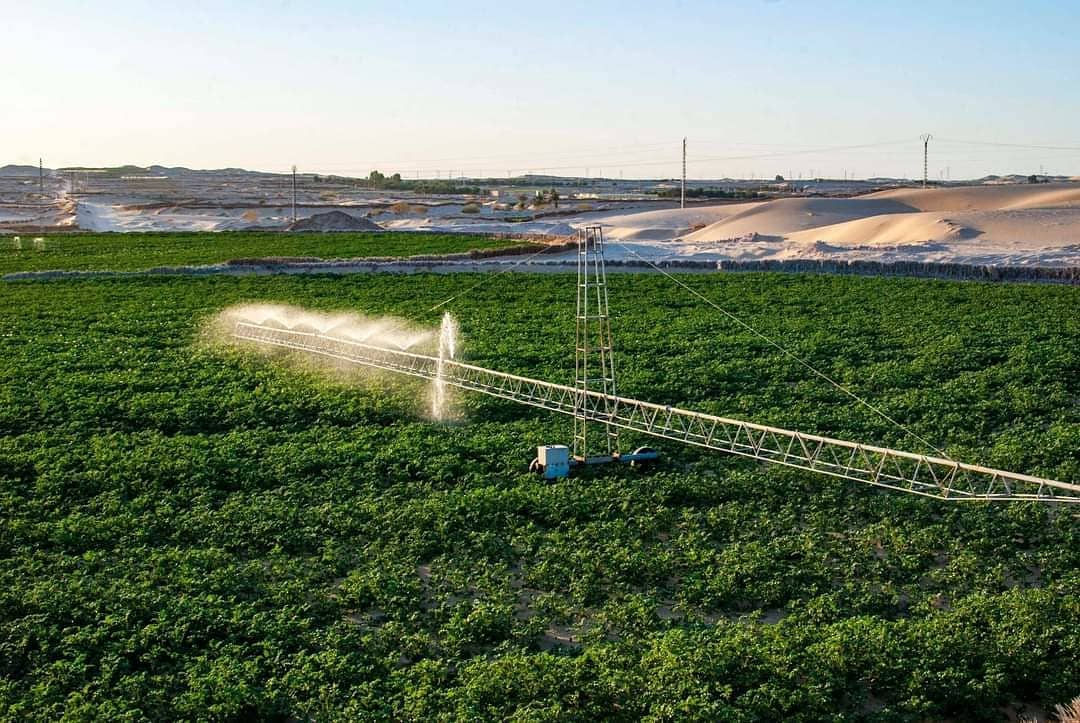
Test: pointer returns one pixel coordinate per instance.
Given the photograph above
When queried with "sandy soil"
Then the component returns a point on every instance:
(1013, 225)
(111, 213)
(1019, 225)
(985, 198)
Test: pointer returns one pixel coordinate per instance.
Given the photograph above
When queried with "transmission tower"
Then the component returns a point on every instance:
(593, 339)
(925, 155)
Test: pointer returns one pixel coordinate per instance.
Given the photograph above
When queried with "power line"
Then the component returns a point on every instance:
(1010, 145)
(822, 149)
(528, 167)
(631, 156)
(512, 160)
(485, 280)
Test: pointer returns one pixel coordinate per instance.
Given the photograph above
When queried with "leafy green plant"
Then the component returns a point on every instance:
(139, 251)
(196, 532)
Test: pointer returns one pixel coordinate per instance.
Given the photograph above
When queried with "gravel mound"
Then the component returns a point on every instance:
(334, 221)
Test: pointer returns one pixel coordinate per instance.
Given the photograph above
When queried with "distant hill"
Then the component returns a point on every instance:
(993, 179)
(13, 170)
(184, 171)
(157, 170)
(526, 179)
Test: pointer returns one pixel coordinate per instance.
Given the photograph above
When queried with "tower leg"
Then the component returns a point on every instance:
(594, 363)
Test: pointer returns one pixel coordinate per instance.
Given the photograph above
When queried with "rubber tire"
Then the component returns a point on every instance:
(642, 463)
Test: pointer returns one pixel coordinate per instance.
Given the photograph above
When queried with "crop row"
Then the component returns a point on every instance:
(138, 251)
(198, 532)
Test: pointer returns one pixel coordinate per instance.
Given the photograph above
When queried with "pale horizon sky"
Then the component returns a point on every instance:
(758, 88)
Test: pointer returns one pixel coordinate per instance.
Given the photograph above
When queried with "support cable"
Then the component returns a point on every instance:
(788, 353)
(484, 281)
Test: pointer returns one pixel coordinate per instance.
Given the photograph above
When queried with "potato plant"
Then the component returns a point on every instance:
(197, 532)
(141, 251)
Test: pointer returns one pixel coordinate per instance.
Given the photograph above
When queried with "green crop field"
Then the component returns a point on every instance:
(138, 251)
(199, 533)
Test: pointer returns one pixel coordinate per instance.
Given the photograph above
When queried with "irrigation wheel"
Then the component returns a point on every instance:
(643, 463)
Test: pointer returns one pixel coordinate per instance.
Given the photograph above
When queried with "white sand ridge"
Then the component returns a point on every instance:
(995, 225)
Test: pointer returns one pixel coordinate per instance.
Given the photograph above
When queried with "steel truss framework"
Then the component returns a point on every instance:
(593, 340)
(883, 467)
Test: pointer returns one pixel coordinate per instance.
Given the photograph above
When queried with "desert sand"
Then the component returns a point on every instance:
(990, 224)
(1021, 225)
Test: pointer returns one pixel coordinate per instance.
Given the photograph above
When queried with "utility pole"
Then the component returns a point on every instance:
(294, 194)
(682, 196)
(925, 155)
(40, 177)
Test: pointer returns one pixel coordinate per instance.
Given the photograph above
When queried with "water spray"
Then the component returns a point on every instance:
(390, 334)
(447, 350)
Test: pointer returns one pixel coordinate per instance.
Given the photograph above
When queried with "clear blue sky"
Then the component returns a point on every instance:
(494, 87)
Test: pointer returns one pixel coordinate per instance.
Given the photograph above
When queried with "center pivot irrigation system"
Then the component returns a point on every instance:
(593, 402)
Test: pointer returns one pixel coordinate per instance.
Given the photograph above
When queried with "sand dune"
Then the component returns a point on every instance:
(984, 198)
(889, 229)
(1057, 198)
(668, 223)
(787, 215)
(963, 212)
(1025, 225)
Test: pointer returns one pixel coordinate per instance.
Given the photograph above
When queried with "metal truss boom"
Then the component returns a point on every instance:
(894, 469)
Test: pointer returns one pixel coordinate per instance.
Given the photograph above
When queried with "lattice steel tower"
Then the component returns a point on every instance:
(594, 362)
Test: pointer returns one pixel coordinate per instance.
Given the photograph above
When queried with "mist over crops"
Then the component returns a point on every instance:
(386, 332)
